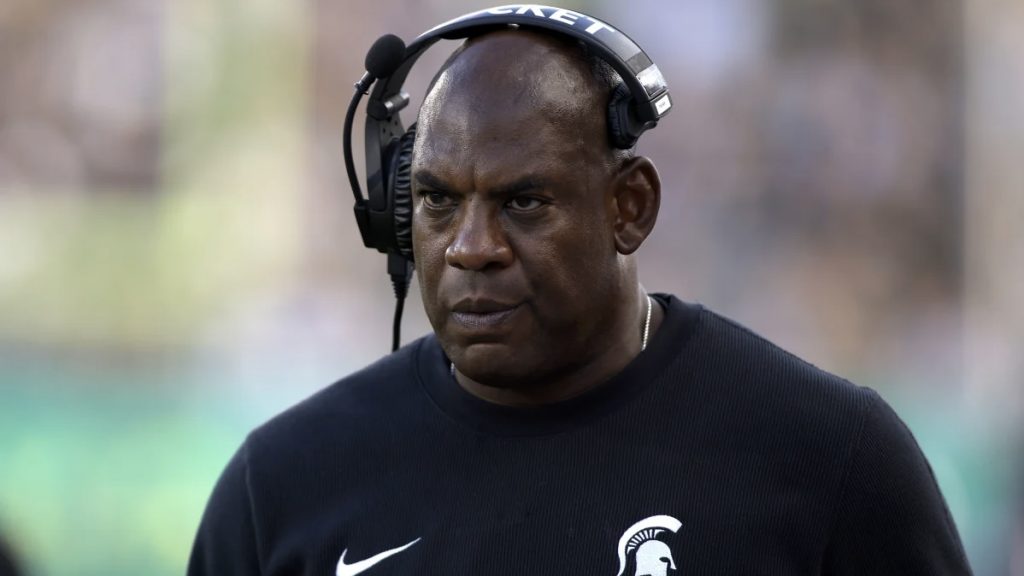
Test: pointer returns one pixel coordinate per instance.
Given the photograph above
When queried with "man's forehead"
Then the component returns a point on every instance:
(495, 149)
(485, 131)
(478, 140)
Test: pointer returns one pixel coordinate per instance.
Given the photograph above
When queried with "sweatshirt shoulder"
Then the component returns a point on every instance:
(347, 408)
(752, 372)
(756, 354)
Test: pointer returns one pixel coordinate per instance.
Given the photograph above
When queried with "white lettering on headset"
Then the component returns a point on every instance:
(535, 9)
(597, 25)
(562, 16)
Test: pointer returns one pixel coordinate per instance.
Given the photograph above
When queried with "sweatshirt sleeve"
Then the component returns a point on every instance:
(225, 544)
(891, 517)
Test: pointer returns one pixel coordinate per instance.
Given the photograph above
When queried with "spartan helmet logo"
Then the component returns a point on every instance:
(653, 557)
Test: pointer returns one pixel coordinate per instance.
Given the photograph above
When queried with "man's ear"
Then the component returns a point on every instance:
(637, 197)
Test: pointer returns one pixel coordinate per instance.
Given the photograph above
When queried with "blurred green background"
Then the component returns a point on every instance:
(178, 260)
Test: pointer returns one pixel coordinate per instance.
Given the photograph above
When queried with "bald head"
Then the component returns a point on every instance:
(520, 73)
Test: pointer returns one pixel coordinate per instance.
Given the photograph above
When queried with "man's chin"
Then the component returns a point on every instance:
(495, 366)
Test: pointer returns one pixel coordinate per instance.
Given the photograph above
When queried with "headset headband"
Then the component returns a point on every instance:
(638, 72)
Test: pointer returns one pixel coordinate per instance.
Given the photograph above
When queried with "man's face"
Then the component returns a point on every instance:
(512, 226)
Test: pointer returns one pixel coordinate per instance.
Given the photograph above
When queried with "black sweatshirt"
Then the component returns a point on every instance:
(712, 452)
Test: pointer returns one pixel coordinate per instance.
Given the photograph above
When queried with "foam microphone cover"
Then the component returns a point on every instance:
(385, 56)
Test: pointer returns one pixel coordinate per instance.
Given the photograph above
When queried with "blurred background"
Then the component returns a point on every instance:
(178, 258)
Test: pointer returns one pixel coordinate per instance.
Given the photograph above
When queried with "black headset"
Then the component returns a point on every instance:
(385, 216)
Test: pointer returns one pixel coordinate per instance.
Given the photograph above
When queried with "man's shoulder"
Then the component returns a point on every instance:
(747, 368)
(350, 409)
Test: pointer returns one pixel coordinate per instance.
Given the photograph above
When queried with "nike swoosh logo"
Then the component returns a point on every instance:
(363, 565)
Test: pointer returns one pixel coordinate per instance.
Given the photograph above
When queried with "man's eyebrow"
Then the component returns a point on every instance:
(435, 182)
(523, 184)
(431, 180)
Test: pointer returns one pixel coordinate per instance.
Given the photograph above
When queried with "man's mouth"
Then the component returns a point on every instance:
(476, 314)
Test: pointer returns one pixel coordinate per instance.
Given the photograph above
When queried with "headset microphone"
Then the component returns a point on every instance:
(384, 216)
(383, 58)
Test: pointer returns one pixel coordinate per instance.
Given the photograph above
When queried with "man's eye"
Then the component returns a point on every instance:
(435, 199)
(525, 203)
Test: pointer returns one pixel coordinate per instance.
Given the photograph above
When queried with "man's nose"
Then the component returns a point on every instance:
(479, 242)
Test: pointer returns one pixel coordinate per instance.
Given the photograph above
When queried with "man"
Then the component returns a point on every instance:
(560, 420)
(8, 567)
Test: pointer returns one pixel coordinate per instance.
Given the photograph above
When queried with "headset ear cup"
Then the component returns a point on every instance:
(401, 191)
(620, 125)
